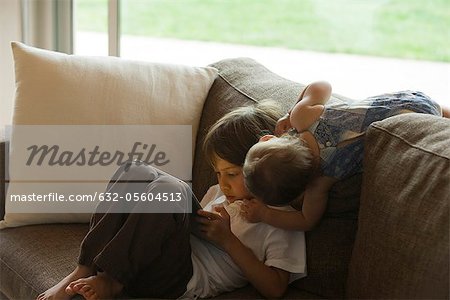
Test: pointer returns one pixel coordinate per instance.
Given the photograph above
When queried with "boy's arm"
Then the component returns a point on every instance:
(271, 282)
(314, 205)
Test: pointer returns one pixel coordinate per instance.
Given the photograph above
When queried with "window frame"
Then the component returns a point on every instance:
(114, 28)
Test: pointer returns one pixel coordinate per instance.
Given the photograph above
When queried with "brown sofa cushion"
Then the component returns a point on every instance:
(402, 244)
(328, 253)
(34, 258)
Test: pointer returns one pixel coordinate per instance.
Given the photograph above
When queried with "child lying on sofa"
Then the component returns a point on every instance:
(321, 143)
(154, 255)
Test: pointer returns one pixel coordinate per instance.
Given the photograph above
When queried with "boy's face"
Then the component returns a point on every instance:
(231, 180)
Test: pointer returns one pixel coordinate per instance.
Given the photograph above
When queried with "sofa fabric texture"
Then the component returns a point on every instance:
(34, 258)
(402, 245)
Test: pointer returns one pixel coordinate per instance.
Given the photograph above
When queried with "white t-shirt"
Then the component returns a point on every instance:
(214, 271)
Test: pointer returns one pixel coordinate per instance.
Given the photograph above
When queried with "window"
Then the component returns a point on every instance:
(361, 47)
(91, 27)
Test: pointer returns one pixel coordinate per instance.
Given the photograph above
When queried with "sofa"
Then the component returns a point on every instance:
(385, 234)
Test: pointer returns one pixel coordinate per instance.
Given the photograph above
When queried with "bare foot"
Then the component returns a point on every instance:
(100, 286)
(58, 291)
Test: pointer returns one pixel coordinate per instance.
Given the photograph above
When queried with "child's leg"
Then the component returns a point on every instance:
(110, 216)
(59, 290)
(148, 253)
(149, 257)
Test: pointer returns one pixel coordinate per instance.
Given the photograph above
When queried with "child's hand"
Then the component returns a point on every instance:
(215, 227)
(283, 125)
(253, 210)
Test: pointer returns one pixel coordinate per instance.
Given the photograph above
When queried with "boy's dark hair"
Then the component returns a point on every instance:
(235, 133)
(277, 171)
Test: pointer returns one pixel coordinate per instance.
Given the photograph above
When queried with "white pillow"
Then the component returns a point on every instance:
(59, 89)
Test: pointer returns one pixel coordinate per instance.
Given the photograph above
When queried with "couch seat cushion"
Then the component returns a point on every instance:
(34, 258)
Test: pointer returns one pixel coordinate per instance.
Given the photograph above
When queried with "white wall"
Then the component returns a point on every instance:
(10, 30)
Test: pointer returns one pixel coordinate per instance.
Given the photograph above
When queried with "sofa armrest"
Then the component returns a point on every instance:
(4, 147)
(402, 244)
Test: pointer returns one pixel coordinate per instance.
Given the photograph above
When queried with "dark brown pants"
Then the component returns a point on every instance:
(149, 253)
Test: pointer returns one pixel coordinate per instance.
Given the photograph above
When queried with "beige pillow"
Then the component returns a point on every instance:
(59, 89)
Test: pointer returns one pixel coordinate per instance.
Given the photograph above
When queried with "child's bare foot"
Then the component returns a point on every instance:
(100, 286)
(58, 291)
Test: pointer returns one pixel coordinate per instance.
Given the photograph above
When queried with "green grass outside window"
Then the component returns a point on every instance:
(416, 29)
